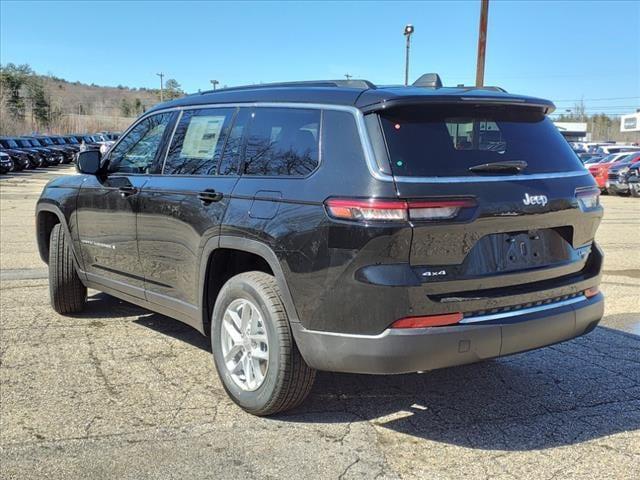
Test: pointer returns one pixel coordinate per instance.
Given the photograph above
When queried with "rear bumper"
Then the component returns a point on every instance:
(617, 187)
(411, 350)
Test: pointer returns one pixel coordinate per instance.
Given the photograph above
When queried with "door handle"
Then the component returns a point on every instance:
(127, 191)
(209, 195)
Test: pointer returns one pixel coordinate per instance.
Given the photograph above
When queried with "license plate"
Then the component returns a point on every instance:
(607, 185)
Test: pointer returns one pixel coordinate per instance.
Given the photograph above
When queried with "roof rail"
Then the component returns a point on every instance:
(362, 84)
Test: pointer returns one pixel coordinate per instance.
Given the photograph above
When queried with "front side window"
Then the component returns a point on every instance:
(283, 142)
(199, 141)
(448, 140)
(137, 151)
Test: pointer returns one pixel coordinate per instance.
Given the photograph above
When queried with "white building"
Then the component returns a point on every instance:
(574, 131)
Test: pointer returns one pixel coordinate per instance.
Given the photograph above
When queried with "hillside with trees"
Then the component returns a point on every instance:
(30, 102)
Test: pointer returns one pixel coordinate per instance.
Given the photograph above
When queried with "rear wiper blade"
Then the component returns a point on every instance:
(500, 167)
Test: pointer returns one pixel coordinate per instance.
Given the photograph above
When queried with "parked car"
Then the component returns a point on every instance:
(609, 149)
(336, 226)
(19, 159)
(73, 147)
(36, 157)
(616, 179)
(86, 142)
(51, 155)
(632, 178)
(589, 158)
(66, 151)
(6, 164)
(591, 147)
(600, 170)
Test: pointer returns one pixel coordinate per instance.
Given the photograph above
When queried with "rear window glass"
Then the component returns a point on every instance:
(442, 142)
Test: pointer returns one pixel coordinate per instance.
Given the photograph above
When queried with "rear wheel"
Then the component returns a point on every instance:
(68, 294)
(253, 348)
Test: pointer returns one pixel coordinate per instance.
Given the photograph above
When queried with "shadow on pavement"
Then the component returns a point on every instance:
(104, 306)
(568, 393)
(561, 395)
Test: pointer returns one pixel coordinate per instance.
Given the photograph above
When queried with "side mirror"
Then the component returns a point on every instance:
(89, 161)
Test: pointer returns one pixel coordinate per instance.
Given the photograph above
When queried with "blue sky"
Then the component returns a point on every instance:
(559, 50)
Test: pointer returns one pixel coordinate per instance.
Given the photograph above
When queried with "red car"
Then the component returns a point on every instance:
(600, 170)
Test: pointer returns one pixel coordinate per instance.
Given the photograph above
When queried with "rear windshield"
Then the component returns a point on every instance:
(447, 141)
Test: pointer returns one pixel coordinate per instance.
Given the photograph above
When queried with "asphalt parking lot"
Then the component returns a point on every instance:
(120, 392)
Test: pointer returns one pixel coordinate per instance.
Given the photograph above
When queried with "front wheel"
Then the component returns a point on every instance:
(634, 189)
(253, 348)
(68, 294)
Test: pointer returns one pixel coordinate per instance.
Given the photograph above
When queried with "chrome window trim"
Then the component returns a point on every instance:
(522, 311)
(170, 141)
(367, 145)
(496, 178)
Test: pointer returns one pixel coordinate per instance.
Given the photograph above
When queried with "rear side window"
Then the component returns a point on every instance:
(199, 141)
(283, 142)
(447, 141)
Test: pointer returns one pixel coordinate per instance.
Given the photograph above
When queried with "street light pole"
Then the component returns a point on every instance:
(408, 30)
(161, 75)
(214, 83)
(482, 42)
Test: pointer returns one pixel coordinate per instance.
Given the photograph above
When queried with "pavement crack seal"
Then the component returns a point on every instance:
(97, 364)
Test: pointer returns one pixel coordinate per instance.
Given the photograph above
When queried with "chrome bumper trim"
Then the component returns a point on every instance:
(522, 311)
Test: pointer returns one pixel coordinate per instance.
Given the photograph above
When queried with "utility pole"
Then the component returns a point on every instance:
(408, 30)
(214, 83)
(482, 42)
(348, 77)
(161, 75)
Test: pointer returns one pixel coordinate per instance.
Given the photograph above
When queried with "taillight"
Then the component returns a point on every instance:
(367, 210)
(437, 210)
(428, 321)
(588, 198)
(591, 292)
(380, 210)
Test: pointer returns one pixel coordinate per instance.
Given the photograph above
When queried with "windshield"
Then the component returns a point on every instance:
(608, 158)
(9, 143)
(46, 141)
(24, 143)
(72, 140)
(447, 141)
(88, 139)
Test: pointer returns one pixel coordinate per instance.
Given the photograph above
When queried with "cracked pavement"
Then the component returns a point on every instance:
(121, 392)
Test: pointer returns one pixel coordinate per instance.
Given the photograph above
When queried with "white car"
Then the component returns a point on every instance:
(608, 149)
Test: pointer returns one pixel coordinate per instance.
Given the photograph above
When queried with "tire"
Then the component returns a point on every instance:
(288, 379)
(68, 294)
(634, 192)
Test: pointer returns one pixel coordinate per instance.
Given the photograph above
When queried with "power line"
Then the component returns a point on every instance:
(594, 99)
(601, 106)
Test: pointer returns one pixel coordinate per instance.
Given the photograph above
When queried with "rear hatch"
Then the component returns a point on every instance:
(499, 198)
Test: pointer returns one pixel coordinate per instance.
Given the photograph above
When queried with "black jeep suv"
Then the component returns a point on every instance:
(336, 225)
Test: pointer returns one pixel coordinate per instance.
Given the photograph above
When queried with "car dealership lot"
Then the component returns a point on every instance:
(122, 392)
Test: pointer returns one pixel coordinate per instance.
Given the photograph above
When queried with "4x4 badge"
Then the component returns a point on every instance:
(434, 273)
(535, 199)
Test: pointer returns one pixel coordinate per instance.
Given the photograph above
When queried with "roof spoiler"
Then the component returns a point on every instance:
(546, 106)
